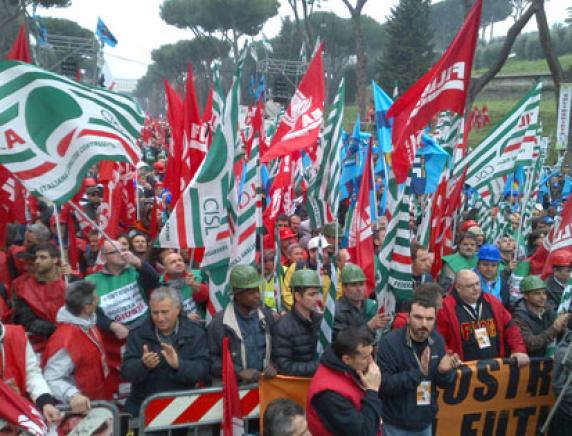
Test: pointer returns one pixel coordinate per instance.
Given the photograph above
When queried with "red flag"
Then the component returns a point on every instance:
(110, 210)
(360, 245)
(300, 125)
(19, 412)
(20, 50)
(232, 424)
(559, 239)
(444, 207)
(280, 196)
(443, 88)
(175, 116)
(195, 132)
(73, 254)
(208, 112)
(154, 226)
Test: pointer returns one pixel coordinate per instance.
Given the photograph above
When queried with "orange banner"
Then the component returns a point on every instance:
(282, 386)
(488, 397)
(496, 397)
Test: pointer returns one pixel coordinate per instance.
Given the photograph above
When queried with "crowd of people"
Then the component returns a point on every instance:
(132, 320)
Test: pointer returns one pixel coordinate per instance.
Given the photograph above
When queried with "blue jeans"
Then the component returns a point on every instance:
(390, 430)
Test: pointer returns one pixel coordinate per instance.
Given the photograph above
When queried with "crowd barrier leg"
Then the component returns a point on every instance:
(112, 408)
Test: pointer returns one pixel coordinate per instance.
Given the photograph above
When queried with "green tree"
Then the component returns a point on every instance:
(408, 52)
(63, 27)
(12, 13)
(446, 18)
(230, 19)
(170, 63)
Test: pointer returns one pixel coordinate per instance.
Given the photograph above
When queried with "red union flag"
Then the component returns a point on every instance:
(19, 412)
(360, 243)
(300, 125)
(444, 87)
(559, 239)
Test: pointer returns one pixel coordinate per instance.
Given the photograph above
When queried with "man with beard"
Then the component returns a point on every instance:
(39, 296)
(413, 362)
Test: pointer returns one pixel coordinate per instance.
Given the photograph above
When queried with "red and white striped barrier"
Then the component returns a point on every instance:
(201, 407)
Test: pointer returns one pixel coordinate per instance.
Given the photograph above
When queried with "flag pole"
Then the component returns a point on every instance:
(374, 217)
(137, 206)
(525, 200)
(92, 222)
(60, 238)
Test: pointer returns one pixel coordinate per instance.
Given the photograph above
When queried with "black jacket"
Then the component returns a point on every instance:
(554, 292)
(561, 372)
(190, 342)
(338, 413)
(348, 315)
(294, 341)
(400, 376)
(537, 332)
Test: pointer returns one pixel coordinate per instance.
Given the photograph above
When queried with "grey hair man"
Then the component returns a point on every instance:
(75, 363)
(168, 352)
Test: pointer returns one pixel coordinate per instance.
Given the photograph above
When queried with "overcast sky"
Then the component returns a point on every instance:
(139, 29)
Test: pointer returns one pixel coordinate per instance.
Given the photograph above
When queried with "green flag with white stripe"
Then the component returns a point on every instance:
(53, 129)
(323, 194)
(511, 143)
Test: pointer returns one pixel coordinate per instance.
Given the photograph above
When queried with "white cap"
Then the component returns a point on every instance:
(314, 242)
(538, 207)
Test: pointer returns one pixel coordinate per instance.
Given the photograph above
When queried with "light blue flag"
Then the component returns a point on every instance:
(356, 134)
(435, 160)
(382, 103)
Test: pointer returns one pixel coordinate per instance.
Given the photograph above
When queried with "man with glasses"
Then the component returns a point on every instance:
(123, 287)
(475, 325)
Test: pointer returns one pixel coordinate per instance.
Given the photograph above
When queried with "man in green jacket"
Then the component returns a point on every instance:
(464, 258)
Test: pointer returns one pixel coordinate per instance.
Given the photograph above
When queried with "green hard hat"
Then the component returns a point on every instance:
(244, 277)
(352, 274)
(305, 278)
(532, 283)
(332, 228)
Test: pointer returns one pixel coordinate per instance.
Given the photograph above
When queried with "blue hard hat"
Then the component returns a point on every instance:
(489, 252)
(548, 220)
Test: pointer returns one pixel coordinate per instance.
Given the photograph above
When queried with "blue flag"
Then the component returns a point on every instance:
(433, 159)
(104, 34)
(381, 103)
(356, 134)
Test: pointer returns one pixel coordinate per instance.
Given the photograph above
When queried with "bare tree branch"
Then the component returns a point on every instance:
(480, 82)
(544, 37)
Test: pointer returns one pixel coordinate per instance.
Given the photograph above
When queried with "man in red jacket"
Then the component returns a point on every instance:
(476, 325)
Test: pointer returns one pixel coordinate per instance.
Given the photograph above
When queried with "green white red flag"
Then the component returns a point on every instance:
(511, 143)
(53, 129)
(322, 199)
(444, 87)
(394, 266)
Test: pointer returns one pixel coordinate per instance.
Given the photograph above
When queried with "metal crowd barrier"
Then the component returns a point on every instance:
(116, 423)
(193, 409)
